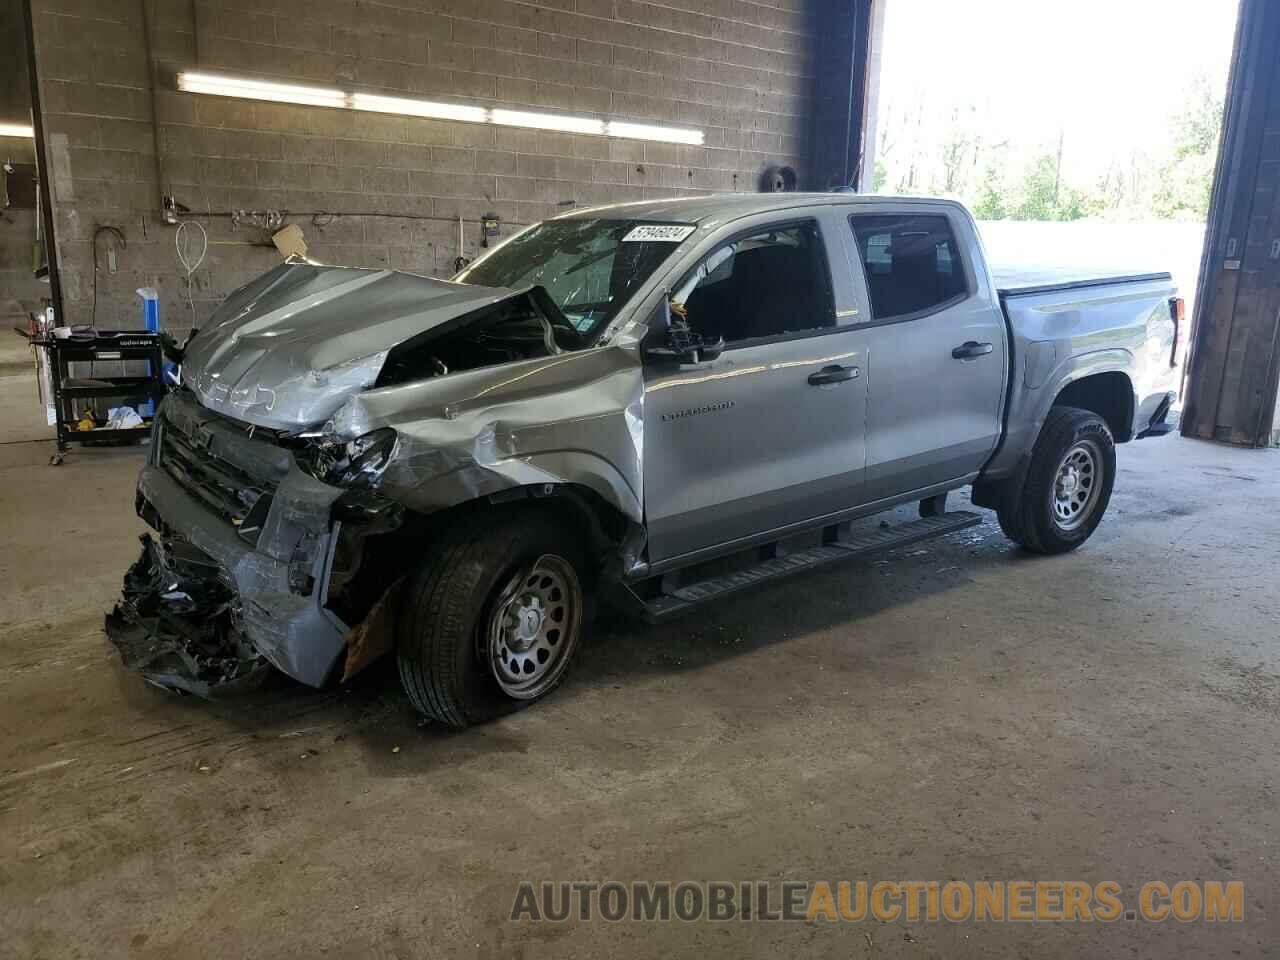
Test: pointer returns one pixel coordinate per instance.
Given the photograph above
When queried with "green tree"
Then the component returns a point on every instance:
(1037, 193)
(879, 177)
(956, 157)
(989, 201)
(1042, 194)
(1186, 180)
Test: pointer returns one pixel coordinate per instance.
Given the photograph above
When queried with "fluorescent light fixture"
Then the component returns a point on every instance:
(548, 121)
(418, 108)
(247, 89)
(648, 131)
(16, 130)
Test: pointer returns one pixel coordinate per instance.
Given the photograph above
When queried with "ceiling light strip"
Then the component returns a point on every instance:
(16, 130)
(248, 89)
(418, 108)
(547, 121)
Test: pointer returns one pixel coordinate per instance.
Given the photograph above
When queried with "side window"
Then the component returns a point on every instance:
(911, 261)
(767, 284)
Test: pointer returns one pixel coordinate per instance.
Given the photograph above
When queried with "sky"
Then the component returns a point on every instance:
(1105, 75)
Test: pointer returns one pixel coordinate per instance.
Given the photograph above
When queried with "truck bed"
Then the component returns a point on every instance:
(1013, 281)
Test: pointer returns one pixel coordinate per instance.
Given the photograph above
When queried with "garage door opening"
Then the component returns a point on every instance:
(1081, 136)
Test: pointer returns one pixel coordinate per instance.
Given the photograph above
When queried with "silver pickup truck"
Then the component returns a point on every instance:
(362, 462)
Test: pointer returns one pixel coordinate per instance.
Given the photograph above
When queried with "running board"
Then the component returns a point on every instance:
(843, 546)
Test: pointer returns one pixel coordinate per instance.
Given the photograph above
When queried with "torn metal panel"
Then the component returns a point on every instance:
(572, 418)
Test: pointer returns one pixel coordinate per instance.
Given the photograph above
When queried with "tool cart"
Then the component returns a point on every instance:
(78, 421)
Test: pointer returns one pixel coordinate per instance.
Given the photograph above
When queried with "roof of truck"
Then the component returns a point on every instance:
(730, 206)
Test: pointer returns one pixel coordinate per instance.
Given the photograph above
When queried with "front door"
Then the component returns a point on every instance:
(771, 432)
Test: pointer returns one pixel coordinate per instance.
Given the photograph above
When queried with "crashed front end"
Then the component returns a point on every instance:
(329, 420)
(238, 576)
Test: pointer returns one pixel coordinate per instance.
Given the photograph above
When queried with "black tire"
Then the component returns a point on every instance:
(777, 179)
(448, 610)
(1039, 516)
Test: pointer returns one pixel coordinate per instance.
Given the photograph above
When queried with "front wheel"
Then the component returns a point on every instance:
(492, 619)
(1068, 483)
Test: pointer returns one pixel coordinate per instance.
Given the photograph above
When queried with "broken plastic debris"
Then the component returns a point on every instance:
(122, 418)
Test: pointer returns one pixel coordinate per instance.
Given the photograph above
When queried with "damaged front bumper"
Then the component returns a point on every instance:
(177, 624)
(234, 582)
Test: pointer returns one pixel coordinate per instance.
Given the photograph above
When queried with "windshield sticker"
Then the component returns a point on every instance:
(658, 233)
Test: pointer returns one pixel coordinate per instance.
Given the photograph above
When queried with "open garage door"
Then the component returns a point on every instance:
(1232, 376)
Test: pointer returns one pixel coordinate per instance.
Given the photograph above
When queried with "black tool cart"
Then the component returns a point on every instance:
(140, 349)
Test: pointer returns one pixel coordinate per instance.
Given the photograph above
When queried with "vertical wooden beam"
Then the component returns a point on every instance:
(1233, 364)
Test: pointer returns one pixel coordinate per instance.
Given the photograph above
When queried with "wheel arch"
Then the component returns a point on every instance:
(599, 522)
(1109, 394)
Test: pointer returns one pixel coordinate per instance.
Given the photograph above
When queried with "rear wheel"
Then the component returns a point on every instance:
(491, 621)
(1067, 486)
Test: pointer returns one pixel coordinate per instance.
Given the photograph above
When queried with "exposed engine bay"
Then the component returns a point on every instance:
(520, 328)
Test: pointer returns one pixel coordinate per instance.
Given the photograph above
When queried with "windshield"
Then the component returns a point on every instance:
(589, 267)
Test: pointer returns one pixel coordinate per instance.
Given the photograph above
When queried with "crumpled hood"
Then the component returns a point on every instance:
(290, 348)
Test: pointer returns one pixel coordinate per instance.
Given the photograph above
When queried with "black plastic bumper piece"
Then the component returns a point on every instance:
(1158, 426)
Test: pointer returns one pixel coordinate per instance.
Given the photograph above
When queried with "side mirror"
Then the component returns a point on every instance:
(683, 345)
(710, 351)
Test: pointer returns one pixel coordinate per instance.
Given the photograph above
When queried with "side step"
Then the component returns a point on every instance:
(685, 598)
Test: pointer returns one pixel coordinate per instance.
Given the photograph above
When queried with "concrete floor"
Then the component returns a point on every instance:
(961, 710)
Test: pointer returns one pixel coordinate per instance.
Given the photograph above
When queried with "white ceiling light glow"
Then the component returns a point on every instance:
(245, 89)
(648, 131)
(548, 121)
(418, 108)
(16, 130)
(249, 89)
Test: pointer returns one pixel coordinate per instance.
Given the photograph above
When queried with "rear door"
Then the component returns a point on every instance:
(770, 433)
(937, 348)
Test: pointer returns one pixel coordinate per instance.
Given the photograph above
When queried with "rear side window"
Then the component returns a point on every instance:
(767, 284)
(911, 261)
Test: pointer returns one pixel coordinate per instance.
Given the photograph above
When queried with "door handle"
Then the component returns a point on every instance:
(833, 374)
(970, 349)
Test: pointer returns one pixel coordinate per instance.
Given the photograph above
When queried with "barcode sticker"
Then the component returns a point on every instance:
(658, 233)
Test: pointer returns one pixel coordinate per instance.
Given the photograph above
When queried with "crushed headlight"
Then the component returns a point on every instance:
(357, 462)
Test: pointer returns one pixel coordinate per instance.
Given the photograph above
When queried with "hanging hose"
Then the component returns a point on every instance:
(188, 263)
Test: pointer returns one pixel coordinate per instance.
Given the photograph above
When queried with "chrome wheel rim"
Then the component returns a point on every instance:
(533, 627)
(1077, 485)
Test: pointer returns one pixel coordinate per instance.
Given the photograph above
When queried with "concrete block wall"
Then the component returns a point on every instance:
(380, 190)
